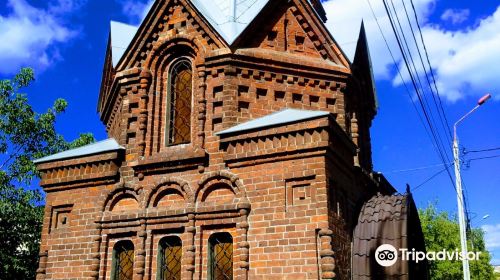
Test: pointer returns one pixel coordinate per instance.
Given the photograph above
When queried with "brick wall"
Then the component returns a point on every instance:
(283, 193)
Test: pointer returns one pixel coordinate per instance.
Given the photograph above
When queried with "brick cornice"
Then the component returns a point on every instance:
(278, 61)
(80, 172)
(177, 159)
(317, 137)
(323, 122)
(73, 162)
(276, 130)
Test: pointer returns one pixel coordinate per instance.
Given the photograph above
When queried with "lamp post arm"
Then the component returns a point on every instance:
(479, 104)
(461, 119)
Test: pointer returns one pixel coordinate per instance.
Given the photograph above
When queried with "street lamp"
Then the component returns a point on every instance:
(460, 201)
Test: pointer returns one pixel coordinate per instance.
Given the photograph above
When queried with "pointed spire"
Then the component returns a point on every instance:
(362, 45)
(362, 65)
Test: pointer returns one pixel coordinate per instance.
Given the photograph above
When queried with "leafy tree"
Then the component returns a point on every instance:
(24, 136)
(442, 232)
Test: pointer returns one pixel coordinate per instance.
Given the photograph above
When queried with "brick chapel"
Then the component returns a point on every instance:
(239, 148)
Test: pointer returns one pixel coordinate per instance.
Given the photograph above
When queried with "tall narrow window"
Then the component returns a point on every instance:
(179, 103)
(123, 261)
(220, 256)
(169, 258)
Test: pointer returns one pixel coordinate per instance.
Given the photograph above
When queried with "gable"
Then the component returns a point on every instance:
(285, 34)
(228, 18)
(168, 19)
(293, 27)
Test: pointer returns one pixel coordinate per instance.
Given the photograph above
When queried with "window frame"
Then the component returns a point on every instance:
(115, 261)
(161, 255)
(211, 262)
(170, 93)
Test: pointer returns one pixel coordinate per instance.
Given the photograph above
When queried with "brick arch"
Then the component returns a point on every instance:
(217, 192)
(223, 178)
(165, 184)
(165, 48)
(119, 192)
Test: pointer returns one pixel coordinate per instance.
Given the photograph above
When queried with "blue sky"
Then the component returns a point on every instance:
(65, 41)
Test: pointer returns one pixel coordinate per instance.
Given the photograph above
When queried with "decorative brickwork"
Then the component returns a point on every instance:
(288, 195)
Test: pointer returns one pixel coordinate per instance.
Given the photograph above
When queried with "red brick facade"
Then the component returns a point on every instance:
(288, 195)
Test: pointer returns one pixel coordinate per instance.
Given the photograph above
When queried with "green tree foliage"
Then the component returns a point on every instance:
(442, 232)
(24, 136)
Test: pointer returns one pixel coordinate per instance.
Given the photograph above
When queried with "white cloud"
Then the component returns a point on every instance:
(135, 10)
(465, 61)
(492, 237)
(455, 16)
(31, 35)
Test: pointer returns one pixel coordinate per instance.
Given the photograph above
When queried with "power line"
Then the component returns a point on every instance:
(437, 141)
(440, 110)
(479, 158)
(433, 135)
(433, 94)
(429, 179)
(415, 168)
(412, 63)
(405, 85)
(398, 70)
(430, 68)
(481, 151)
(408, 51)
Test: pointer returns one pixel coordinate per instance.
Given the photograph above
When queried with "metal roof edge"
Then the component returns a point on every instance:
(107, 145)
(117, 58)
(272, 120)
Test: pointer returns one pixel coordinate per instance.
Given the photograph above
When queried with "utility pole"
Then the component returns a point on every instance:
(460, 199)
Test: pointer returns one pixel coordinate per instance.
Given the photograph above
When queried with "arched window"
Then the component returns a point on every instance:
(169, 258)
(220, 256)
(123, 261)
(180, 78)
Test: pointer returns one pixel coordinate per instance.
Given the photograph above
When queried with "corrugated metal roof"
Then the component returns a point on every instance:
(387, 219)
(278, 118)
(121, 36)
(107, 145)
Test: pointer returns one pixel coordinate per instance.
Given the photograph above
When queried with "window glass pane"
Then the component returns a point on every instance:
(124, 261)
(221, 256)
(171, 258)
(179, 122)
